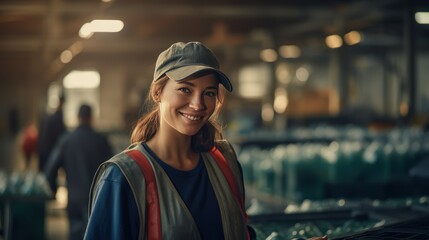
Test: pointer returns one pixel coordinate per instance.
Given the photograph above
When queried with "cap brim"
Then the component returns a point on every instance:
(186, 71)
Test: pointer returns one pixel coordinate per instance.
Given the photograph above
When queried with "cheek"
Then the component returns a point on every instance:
(172, 101)
(211, 106)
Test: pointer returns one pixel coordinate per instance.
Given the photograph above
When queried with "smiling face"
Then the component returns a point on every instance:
(187, 105)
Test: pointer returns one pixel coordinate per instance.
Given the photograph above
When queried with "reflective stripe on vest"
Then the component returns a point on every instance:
(226, 170)
(152, 201)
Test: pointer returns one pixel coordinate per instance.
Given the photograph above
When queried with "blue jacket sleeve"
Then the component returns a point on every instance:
(114, 213)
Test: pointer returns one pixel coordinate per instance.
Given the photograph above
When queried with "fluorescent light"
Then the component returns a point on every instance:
(94, 26)
(106, 25)
(422, 17)
(82, 79)
(85, 31)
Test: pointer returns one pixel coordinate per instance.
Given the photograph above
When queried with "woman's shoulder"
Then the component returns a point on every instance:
(123, 164)
(112, 173)
(123, 156)
(225, 148)
(117, 164)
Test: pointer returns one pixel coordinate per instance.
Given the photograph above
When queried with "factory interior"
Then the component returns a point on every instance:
(328, 116)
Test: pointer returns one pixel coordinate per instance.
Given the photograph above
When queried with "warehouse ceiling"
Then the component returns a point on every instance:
(34, 33)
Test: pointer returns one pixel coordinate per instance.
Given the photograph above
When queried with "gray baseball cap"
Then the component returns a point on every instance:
(181, 60)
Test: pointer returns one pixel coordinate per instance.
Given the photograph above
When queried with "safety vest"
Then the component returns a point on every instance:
(162, 212)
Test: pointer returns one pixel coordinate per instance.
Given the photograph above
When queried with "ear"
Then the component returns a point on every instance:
(157, 96)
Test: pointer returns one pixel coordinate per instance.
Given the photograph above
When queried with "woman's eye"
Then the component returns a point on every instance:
(211, 94)
(185, 90)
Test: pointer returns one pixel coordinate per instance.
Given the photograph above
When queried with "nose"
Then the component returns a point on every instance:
(197, 103)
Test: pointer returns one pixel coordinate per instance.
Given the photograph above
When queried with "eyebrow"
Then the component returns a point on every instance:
(193, 85)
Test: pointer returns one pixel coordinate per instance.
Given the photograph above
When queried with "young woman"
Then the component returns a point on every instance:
(177, 180)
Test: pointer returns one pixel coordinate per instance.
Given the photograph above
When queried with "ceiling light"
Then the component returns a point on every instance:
(352, 38)
(268, 55)
(280, 100)
(106, 25)
(333, 41)
(290, 51)
(94, 26)
(283, 73)
(267, 112)
(66, 56)
(82, 79)
(422, 17)
(302, 74)
(85, 31)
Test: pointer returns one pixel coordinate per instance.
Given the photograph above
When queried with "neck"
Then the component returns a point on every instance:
(174, 150)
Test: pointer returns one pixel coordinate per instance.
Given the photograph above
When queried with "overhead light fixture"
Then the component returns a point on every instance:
(88, 29)
(422, 17)
(290, 51)
(283, 73)
(66, 56)
(82, 79)
(334, 41)
(353, 37)
(267, 112)
(268, 55)
(280, 100)
(302, 74)
(85, 31)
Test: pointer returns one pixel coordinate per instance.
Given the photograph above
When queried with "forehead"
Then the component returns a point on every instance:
(207, 80)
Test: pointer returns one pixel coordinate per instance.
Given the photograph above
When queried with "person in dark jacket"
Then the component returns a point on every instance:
(52, 127)
(79, 153)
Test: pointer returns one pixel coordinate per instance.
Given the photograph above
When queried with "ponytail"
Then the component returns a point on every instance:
(146, 127)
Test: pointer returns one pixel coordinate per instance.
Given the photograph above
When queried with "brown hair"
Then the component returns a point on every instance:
(147, 125)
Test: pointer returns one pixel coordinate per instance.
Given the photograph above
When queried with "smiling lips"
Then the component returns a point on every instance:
(191, 117)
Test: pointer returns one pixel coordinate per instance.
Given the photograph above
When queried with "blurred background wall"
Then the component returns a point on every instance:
(312, 58)
(293, 64)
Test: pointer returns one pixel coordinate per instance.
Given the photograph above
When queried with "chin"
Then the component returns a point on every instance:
(189, 132)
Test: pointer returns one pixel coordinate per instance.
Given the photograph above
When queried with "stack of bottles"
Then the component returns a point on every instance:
(301, 227)
(302, 168)
(24, 184)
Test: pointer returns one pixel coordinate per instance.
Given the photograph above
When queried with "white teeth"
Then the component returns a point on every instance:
(193, 118)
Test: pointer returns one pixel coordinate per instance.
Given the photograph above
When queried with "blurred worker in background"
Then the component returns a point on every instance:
(29, 144)
(79, 153)
(51, 129)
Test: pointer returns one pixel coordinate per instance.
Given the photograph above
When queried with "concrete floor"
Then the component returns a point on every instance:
(56, 221)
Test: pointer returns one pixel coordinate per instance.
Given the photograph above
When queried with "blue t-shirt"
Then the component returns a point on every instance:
(120, 216)
(197, 192)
